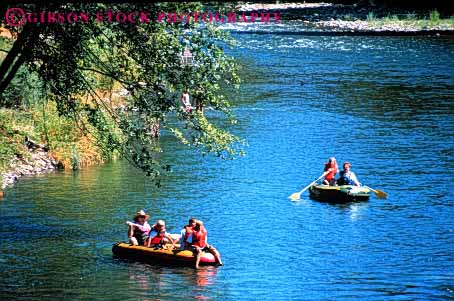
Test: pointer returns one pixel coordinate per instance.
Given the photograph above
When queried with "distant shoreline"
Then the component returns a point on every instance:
(337, 19)
(437, 33)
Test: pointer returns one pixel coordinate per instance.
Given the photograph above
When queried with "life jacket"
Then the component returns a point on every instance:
(158, 238)
(344, 179)
(199, 238)
(332, 173)
(189, 230)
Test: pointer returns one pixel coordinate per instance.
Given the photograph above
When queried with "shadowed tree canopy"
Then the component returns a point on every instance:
(143, 58)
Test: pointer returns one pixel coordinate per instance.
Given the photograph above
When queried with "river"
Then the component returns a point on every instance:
(386, 104)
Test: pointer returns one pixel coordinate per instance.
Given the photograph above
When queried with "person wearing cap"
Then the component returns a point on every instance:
(139, 230)
(159, 236)
(331, 169)
(348, 177)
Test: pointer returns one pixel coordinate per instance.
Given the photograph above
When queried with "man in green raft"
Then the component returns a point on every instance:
(348, 177)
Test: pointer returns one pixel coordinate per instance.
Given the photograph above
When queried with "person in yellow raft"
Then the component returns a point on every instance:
(159, 237)
(139, 230)
(199, 244)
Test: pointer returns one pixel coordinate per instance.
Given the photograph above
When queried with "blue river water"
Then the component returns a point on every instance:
(386, 104)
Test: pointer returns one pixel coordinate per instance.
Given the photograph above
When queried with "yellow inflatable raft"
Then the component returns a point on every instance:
(160, 256)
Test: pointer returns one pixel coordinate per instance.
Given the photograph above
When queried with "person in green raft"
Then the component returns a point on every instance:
(348, 177)
(330, 172)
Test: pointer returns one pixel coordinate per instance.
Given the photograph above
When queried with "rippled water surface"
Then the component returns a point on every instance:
(385, 104)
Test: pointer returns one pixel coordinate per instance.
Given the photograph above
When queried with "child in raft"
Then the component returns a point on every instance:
(139, 231)
(159, 236)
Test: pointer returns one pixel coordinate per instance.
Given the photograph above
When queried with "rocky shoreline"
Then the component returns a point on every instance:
(356, 19)
(39, 161)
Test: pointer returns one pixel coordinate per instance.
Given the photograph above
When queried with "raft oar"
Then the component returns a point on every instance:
(380, 194)
(297, 195)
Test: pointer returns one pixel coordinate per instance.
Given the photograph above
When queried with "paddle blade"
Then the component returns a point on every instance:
(296, 196)
(380, 194)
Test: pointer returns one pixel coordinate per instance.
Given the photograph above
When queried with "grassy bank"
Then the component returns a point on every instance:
(410, 20)
(65, 140)
(28, 112)
(398, 23)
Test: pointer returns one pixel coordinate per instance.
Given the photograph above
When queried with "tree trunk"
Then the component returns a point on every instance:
(14, 52)
(17, 55)
(9, 77)
(199, 105)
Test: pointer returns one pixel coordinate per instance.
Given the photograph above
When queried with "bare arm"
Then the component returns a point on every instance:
(130, 231)
(170, 239)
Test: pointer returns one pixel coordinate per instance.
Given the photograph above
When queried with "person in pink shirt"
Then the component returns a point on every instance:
(139, 230)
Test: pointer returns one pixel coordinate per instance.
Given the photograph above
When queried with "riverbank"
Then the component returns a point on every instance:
(340, 19)
(33, 142)
(37, 162)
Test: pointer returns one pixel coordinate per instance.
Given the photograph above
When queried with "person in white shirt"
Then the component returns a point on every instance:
(186, 102)
(348, 177)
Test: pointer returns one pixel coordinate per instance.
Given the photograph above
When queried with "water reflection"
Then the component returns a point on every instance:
(201, 278)
(356, 210)
(183, 282)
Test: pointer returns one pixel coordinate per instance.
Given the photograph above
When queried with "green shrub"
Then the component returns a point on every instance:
(410, 16)
(394, 18)
(348, 17)
(434, 16)
(75, 158)
(25, 90)
(14, 125)
(371, 17)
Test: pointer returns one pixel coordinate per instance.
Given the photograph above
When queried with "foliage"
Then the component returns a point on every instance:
(434, 17)
(348, 17)
(371, 17)
(394, 18)
(209, 137)
(67, 142)
(11, 138)
(411, 20)
(76, 62)
(410, 16)
(26, 89)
